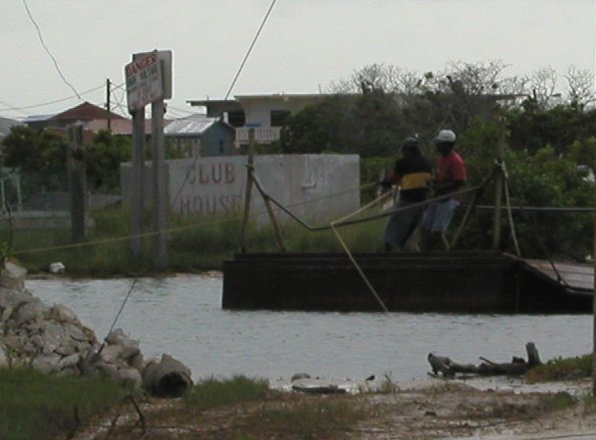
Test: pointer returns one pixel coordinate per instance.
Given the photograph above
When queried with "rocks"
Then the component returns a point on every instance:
(52, 340)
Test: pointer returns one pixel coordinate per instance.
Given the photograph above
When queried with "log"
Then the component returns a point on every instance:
(448, 368)
(517, 367)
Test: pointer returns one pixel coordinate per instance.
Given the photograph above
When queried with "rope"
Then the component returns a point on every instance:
(351, 257)
(118, 314)
(386, 213)
(509, 213)
(171, 230)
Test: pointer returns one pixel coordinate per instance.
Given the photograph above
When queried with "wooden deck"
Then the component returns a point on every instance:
(575, 275)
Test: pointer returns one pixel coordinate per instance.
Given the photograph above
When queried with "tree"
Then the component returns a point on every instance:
(580, 87)
(40, 155)
(103, 157)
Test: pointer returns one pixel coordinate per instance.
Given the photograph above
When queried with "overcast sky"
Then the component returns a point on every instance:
(304, 46)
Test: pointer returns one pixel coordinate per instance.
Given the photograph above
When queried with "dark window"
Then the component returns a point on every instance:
(236, 119)
(278, 117)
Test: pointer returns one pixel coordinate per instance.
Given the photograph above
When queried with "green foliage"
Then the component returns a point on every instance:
(211, 393)
(561, 369)
(533, 128)
(36, 406)
(41, 155)
(102, 158)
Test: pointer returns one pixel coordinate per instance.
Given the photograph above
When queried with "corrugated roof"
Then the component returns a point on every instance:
(194, 125)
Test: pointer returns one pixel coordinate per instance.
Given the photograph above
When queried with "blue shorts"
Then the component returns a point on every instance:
(438, 215)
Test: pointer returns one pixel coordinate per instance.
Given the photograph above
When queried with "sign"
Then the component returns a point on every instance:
(263, 135)
(165, 58)
(144, 82)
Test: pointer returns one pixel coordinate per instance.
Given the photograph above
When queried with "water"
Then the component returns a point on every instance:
(182, 316)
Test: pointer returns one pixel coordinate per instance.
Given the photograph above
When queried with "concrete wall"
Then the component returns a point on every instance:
(316, 187)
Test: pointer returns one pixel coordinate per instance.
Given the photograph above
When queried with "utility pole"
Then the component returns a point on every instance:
(76, 178)
(108, 104)
(594, 301)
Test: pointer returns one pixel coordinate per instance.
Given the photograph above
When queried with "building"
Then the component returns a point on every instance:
(199, 136)
(5, 125)
(92, 117)
(266, 114)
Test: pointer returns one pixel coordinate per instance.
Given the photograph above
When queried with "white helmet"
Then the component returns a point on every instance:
(445, 136)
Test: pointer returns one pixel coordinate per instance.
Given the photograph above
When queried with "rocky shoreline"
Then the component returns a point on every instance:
(52, 340)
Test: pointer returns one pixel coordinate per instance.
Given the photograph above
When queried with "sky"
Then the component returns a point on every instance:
(304, 46)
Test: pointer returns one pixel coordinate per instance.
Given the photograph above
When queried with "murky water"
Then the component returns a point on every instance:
(182, 316)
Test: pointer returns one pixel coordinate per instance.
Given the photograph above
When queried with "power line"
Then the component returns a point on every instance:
(27, 107)
(252, 44)
(48, 50)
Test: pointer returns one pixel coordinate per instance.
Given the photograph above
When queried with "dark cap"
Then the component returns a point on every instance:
(410, 142)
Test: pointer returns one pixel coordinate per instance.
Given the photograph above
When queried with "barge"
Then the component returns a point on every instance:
(443, 282)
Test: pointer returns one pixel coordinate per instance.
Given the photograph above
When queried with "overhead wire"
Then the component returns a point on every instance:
(39, 34)
(56, 101)
(236, 76)
(252, 45)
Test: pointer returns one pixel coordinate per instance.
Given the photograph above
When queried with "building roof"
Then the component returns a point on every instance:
(193, 125)
(85, 112)
(36, 118)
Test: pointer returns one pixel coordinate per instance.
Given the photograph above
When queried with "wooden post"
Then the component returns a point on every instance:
(137, 187)
(77, 182)
(498, 193)
(160, 204)
(248, 189)
(594, 301)
(272, 218)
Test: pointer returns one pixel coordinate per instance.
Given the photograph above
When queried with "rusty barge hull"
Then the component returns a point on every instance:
(453, 282)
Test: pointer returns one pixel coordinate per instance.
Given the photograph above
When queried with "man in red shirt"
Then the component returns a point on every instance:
(450, 177)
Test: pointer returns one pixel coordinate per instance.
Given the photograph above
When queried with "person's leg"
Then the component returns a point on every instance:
(443, 215)
(409, 241)
(389, 237)
(426, 227)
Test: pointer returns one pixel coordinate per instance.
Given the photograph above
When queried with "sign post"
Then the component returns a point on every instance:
(149, 81)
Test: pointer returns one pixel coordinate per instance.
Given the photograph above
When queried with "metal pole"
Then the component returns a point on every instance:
(160, 204)
(137, 187)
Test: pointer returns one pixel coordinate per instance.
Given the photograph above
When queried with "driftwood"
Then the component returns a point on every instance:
(517, 366)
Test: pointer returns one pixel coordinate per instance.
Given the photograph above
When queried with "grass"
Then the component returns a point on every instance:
(193, 244)
(561, 369)
(36, 406)
(211, 393)
(309, 419)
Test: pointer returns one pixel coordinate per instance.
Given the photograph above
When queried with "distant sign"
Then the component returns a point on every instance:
(263, 135)
(144, 82)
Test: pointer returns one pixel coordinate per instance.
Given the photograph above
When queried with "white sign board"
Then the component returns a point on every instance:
(165, 57)
(144, 82)
(263, 135)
